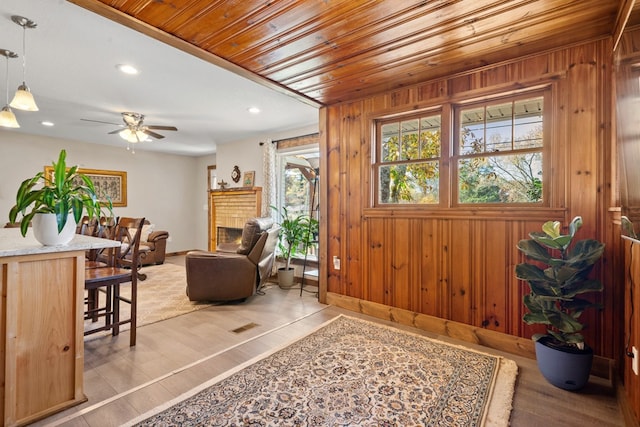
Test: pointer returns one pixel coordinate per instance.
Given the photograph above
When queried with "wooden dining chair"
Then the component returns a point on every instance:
(121, 267)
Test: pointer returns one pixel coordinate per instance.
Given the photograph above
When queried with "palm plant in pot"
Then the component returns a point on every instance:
(55, 203)
(557, 279)
(296, 234)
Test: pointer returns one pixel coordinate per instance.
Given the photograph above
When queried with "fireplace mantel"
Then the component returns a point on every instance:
(232, 207)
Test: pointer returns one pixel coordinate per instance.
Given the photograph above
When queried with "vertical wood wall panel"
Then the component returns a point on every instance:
(352, 200)
(459, 264)
(492, 298)
(375, 260)
(460, 252)
(332, 184)
(429, 268)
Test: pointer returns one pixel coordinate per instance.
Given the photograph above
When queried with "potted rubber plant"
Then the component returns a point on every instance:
(558, 278)
(55, 204)
(296, 234)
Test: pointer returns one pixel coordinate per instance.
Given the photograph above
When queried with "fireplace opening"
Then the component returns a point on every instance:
(228, 236)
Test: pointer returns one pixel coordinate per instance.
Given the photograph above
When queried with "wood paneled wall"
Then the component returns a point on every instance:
(628, 127)
(458, 264)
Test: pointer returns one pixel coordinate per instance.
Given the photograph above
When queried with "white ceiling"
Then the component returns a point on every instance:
(71, 70)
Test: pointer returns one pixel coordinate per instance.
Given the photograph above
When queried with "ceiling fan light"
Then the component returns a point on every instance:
(23, 99)
(7, 118)
(133, 136)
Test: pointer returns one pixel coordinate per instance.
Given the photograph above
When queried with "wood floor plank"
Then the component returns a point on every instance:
(176, 355)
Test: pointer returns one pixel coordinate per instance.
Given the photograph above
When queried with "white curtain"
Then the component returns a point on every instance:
(269, 179)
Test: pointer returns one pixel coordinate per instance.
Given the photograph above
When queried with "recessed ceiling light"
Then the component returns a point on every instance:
(127, 69)
(253, 110)
(45, 123)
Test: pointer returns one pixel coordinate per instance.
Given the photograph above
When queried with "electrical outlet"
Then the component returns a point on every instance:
(336, 263)
(634, 361)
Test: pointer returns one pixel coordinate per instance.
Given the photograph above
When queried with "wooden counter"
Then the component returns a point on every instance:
(41, 325)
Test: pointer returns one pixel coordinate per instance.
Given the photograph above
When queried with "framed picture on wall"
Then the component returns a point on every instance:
(109, 184)
(248, 179)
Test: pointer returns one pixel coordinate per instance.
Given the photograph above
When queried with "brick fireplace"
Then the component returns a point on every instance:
(229, 209)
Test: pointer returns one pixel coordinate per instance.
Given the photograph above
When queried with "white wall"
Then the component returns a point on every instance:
(169, 190)
(201, 225)
(247, 155)
(161, 187)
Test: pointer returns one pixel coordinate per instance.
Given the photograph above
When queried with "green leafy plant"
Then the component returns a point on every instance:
(65, 192)
(557, 278)
(296, 234)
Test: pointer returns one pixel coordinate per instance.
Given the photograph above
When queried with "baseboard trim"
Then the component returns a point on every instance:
(602, 367)
(179, 253)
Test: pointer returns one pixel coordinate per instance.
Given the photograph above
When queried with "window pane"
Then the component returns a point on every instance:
(430, 137)
(390, 135)
(296, 192)
(472, 131)
(499, 128)
(501, 179)
(409, 183)
(409, 149)
(528, 123)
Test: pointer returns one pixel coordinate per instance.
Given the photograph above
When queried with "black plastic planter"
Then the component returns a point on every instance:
(566, 368)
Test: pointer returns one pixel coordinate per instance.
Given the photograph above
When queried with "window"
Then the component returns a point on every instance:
(492, 155)
(499, 154)
(300, 186)
(409, 166)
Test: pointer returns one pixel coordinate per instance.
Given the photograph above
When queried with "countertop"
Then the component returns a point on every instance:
(13, 244)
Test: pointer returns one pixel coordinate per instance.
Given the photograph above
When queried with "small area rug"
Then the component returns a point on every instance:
(356, 373)
(161, 296)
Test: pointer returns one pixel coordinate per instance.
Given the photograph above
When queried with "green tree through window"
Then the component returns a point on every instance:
(410, 161)
(501, 153)
(494, 154)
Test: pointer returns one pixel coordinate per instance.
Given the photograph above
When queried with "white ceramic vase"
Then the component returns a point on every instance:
(45, 229)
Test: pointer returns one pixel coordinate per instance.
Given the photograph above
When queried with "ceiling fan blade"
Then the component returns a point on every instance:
(100, 121)
(161, 127)
(153, 134)
(114, 131)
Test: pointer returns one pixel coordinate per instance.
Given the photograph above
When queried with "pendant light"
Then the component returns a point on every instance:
(7, 118)
(23, 99)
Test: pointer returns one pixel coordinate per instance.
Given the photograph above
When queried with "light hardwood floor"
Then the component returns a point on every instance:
(173, 356)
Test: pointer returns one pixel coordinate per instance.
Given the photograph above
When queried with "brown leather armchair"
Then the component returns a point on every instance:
(153, 249)
(228, 276)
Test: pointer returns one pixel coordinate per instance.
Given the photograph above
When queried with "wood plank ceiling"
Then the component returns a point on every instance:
(335, 50)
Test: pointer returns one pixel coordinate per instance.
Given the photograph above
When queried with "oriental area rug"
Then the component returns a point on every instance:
(352, 372)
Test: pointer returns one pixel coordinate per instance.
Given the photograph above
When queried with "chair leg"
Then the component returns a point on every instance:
(93, 303)
(108, 313)
(116, 310)
(134, 311)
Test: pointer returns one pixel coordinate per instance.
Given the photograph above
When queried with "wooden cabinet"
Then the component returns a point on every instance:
(41, 323)
(232, 208)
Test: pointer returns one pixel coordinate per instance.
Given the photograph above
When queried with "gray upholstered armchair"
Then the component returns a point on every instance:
(229, 276)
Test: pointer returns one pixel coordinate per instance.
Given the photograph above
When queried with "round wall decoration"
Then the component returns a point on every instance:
(235, 174)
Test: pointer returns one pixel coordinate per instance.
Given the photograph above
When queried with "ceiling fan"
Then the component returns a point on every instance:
(134, 130)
